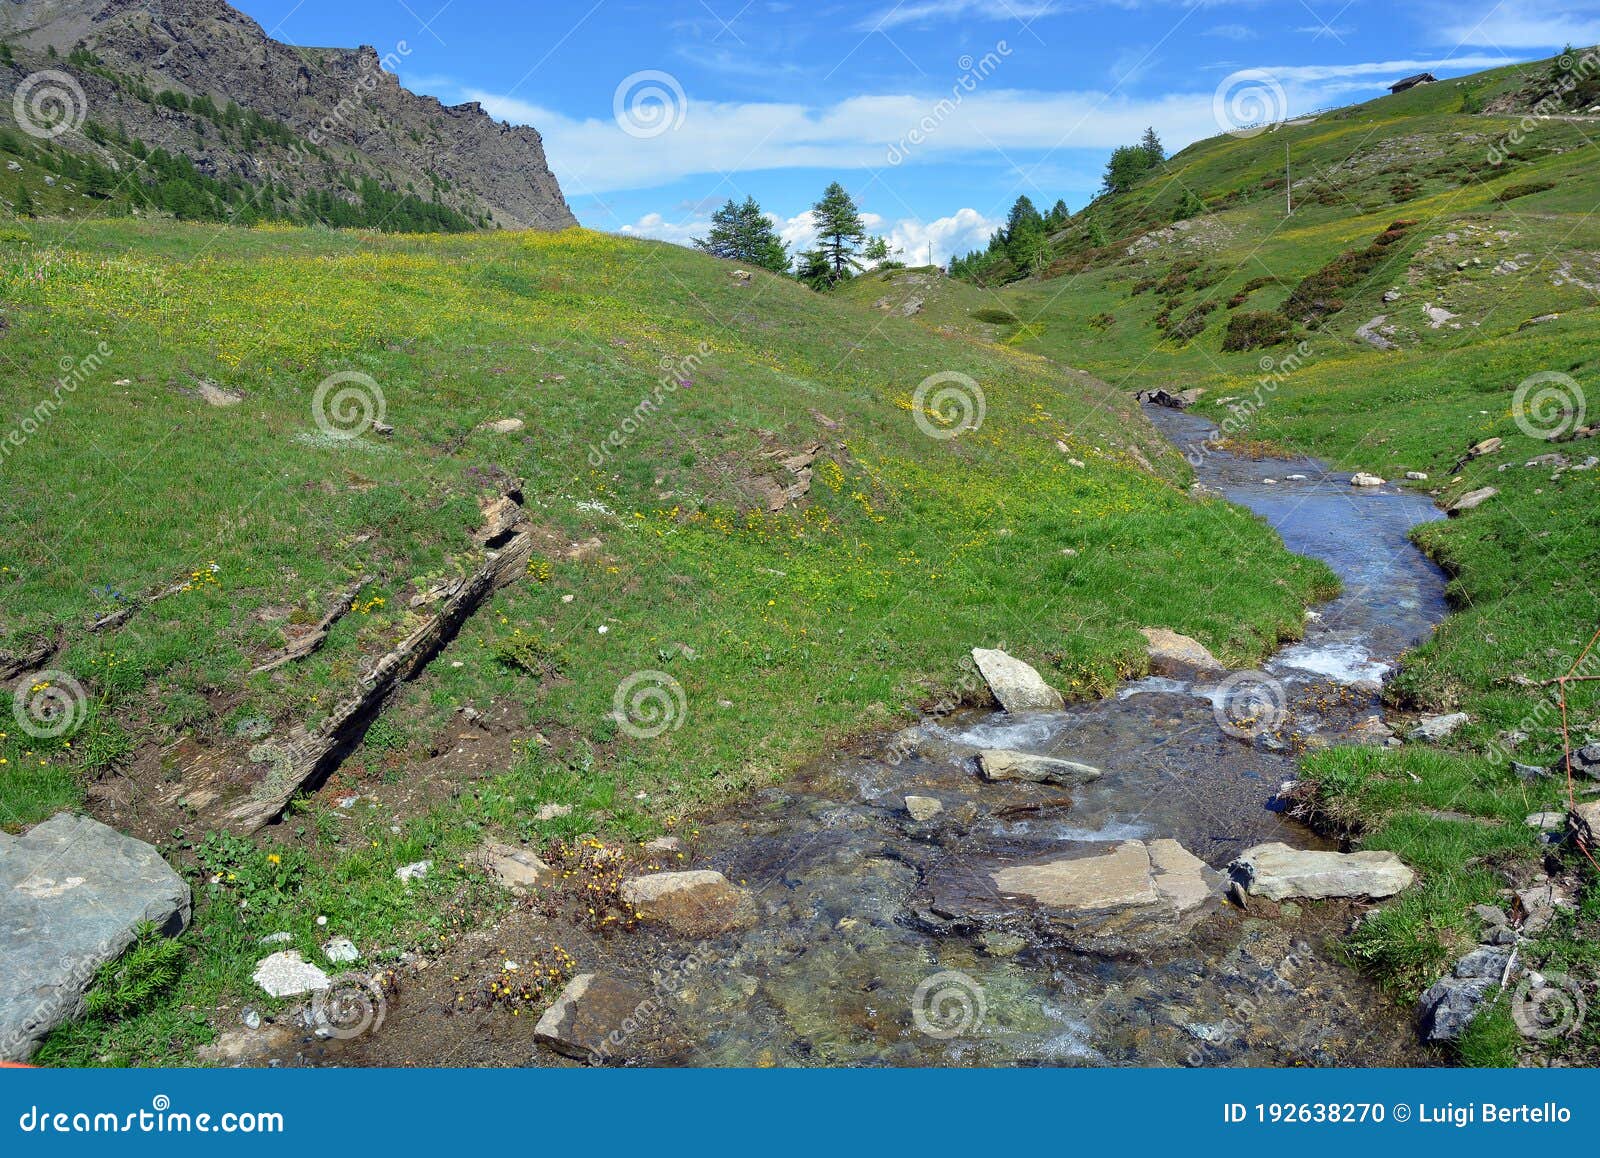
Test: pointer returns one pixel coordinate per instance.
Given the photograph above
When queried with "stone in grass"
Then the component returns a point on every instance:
(1472, 500)
(698, 903)
(1172, 654)
(1018, 687)
(287, 974)
(998, 764)
(1450, 1004)
(1276, 871)
(1434, 728)
(504, 426)
(515, 868)
(341, 951)
(415, 871)
(73, 894)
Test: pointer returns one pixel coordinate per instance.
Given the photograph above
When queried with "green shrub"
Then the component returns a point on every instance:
(1253, 329)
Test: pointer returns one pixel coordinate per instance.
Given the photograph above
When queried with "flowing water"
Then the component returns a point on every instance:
(841, 970)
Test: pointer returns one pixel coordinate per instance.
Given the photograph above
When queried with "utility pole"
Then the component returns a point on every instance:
(1288, 184)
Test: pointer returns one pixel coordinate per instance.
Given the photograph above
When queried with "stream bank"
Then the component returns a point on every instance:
(856, 959)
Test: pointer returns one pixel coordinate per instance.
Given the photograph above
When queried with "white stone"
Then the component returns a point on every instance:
(1277, 872)
(1018, 687)
(1431, 728)
(287, 974)
(414, 871)
(341, 951)
(1001, 764)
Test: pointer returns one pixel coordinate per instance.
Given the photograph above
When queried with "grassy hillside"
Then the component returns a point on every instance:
(205, 539)
(1403, 204)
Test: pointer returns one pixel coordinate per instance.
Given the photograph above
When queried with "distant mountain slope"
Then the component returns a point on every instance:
(275, 129)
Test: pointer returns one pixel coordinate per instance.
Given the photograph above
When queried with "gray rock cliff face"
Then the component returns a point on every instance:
(338, 100)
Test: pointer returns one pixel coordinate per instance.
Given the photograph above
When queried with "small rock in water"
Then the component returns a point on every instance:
(600, 1020)
(923, 808)
(997, 764)
(1434, 728)
(287, 974)
(1363, 479)
(1276, 871)
(414, 871)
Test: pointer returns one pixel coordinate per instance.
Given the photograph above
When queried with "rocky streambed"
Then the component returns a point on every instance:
(1045, 885)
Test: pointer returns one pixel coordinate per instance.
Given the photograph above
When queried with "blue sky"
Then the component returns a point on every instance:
(936, 114)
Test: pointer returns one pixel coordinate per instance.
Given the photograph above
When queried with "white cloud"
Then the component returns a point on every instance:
(927, 11)
(1524, 24)
(594, 156)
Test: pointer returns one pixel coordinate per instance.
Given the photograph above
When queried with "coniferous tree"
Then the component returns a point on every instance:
(840, 232)
(744, 233)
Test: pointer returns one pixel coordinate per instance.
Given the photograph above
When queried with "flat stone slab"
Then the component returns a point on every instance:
(1277, 872)
(603, 1020)
(287, 974)
(1112, 898)
(72, 895)
(1018, 687)
(1001, 764)
(1433, 728)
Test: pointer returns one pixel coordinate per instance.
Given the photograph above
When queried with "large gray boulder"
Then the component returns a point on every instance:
(1016, 685)
(1450, 1004)
(1277, 872)
(72, 895)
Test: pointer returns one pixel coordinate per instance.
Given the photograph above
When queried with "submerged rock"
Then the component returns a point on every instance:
(923, 808)
(996, 764)
(1363, 479)
(1112, 898)
(1018, 687)
(699, 903)
(1177, 655)
(1276, 871)
(73, 893)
